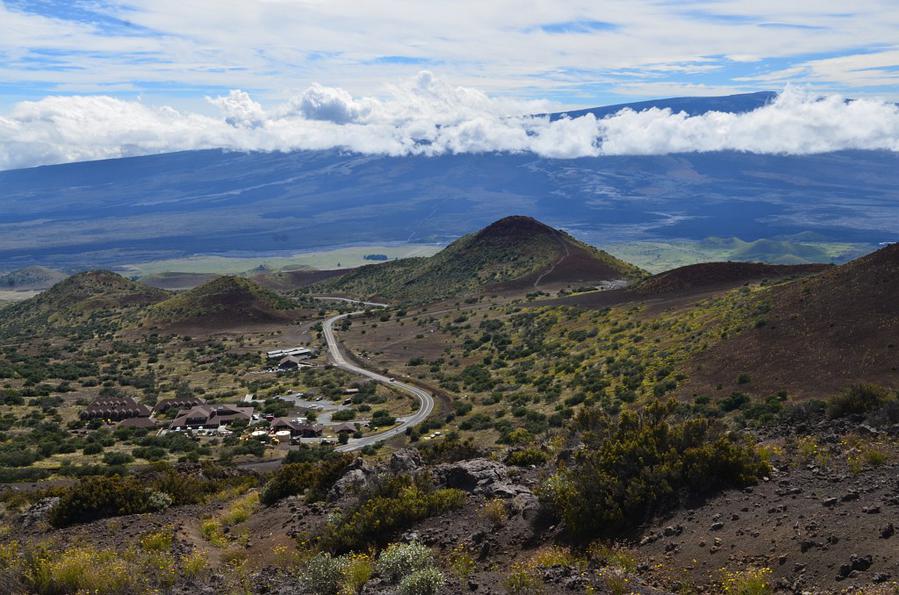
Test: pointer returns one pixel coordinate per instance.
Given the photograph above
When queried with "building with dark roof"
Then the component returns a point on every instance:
(344, 427)
(292, 362)
(138, 422)
(296, 428)
(177, 404)
(210, 417)
(114, 408)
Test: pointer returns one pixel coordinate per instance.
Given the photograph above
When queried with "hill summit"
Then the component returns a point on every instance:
(513, 254)
(818, 334)
(94, 294)
(224, 301)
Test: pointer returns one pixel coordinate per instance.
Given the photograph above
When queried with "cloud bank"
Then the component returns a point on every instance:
(426, 116)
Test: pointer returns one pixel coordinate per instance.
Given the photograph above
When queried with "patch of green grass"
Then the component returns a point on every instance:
(659, 256)
(323, 260)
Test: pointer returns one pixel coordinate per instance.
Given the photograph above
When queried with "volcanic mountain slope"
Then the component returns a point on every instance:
(513, 254)
(296, 279)
(816, 335)
(176, 281)
(712, 275)
(693, 281)
(223, 302)
(87, 296)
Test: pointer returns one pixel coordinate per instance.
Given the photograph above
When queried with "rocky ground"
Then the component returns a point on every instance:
(819, 531)
(820, 523)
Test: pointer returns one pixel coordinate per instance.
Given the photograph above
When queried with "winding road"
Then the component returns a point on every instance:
(425, 399)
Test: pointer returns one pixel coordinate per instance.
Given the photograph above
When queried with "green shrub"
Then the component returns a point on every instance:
(311, 454)
(393, 504)
(182, 488)
(324, 574)
(344, 415)
(401, 559)
(92, 448)
(157, 501)
(313, 479)
(450, 450)
(733, 402)
(858, 400)
(427, 581)
(527, 456)
(117, 458)
(642, 464)
(95, 498)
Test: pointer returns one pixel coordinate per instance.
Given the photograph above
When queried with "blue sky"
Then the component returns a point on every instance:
(572, 53)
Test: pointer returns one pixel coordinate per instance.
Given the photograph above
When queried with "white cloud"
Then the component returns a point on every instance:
(426, 116)
(795, 123)
(239, 109)
(332, 105)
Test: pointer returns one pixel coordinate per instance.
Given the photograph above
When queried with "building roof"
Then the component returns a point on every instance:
(137, 422)
(344, 427)
(292, 351)
(208, 415)
(177, 403)
(292, 359)
(120, 407)
(297, 426)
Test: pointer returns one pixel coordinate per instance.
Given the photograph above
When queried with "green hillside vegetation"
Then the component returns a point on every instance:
(223, 300)
(512, 251)
(541, 364)
(86, 299)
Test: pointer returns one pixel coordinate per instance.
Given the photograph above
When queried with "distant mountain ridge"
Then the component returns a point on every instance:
(693, 106)
(110, 213)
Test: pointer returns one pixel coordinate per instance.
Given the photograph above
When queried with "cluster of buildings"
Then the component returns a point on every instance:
(194, 414)
(210, 417)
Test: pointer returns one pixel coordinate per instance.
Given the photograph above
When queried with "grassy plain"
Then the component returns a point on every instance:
(659, 256)
(337, 258)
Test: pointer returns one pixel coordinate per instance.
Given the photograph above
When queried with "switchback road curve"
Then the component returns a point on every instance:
(425, 399)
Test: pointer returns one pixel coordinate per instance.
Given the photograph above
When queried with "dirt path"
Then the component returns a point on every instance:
(557, 263)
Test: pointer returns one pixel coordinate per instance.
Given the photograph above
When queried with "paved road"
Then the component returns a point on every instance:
(425, 399)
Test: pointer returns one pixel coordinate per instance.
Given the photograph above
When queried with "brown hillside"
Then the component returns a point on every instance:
(177, 281)
(714, 275)
(290, 280)
(821, 334)
(685, 285)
